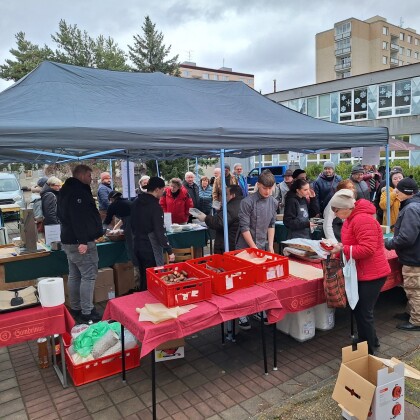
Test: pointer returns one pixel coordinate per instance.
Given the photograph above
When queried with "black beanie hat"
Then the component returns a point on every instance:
(408, 186)
(297, 172)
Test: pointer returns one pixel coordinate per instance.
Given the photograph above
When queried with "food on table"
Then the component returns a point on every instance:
(326, 244)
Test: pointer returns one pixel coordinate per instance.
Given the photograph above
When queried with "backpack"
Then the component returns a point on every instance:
(37, 208)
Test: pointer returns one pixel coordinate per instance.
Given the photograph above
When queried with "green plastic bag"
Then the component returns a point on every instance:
(83, 343)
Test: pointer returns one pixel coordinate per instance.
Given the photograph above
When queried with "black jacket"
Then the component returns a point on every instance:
(297, 212)
(147, 217)
(216, 223)
(193, 192)
(49, 205)
(406, 240)
(79, 217)
(120, 208)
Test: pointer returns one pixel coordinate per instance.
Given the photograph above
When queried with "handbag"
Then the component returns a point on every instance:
(334, 286)
(350, 280)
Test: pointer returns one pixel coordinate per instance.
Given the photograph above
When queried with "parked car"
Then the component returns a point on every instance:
(277, 171)
(10, 190)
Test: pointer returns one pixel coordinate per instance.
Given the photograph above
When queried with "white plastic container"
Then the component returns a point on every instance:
(324, 317)
(284, 324)
(302, 325)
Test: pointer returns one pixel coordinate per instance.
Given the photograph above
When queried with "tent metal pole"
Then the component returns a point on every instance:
(224, 202)
(157, 168)
(110, 173)
(260, 162)
(388, 198)
(128, 178)
(196, 170)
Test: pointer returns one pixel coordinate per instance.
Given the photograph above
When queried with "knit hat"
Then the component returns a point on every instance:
(408, 186)
(329, 164)
(297, 172)
(288, 172)
(227, 166)
(343, 199)
(357, 169)
(105, 175)
(42, 181)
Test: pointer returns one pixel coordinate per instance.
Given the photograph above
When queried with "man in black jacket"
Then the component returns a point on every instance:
(80, 226)
(406, 242)
(148, 229)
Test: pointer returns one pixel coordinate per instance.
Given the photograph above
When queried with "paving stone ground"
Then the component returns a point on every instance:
(213, 381)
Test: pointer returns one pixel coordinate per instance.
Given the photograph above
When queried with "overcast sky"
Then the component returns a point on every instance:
(272, 39)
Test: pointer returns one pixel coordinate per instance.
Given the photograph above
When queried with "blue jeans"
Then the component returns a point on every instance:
(83, 270)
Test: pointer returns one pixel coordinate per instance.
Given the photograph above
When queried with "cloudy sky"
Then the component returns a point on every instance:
(272, 39)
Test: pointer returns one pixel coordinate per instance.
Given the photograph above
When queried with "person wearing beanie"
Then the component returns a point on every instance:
(361, 187)
(103, 192)
(36, 189)
(406, 242)
(325, 185)
(284, 187)
(362, 232)
(299, 174)
(150, 240)
(394, 179)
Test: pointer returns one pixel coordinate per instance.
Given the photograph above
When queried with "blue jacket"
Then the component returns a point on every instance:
(206, 199)
(103, 193)
(324, 188)
(243, 184)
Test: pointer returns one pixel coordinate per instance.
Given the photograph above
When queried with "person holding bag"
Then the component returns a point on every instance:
(362, 234)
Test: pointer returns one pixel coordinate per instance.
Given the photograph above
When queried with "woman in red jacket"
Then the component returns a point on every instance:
(177, 201)
(362, 231)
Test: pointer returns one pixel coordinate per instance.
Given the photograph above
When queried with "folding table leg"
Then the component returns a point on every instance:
(351, 324)
(223, 332)
(263, 343)
(274, 347)
(123, 352)
(153, 384)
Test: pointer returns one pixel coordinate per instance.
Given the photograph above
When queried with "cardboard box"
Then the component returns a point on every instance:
(173, 349)
(104, 285)
(123, 278)
(367, 389)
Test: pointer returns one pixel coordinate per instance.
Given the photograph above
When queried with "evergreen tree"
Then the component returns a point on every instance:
(27, 57)
(149, 52)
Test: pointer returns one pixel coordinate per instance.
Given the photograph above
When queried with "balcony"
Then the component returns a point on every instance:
(394, 62)
(343, 66)
(342, 51)
(395, 47)
(342, 36)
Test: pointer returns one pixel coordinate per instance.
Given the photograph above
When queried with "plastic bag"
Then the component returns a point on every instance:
(83, 343)
(350, 278)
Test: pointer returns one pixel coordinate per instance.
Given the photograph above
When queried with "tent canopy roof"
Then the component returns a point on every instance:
(70, 110)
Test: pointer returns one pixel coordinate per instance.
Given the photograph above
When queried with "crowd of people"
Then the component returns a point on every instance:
(352, 210)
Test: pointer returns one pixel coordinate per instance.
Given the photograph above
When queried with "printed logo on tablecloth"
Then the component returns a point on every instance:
(5, 335)
(29, 331)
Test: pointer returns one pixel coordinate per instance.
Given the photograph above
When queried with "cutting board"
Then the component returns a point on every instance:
(304, 271)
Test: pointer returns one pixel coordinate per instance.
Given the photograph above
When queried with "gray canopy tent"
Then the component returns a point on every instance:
(60, 113)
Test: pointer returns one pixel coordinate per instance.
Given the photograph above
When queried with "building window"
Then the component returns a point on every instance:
(416, 41)
(401, 50)
(342, 46)
(312, 107)
(416, 55)
(384, 59)
(385, 30)
(186, 73)
(353, 105)
(215, 77)
(394, 98)
(408, 52)
(205, 76)
(225, 78)
(250, 81)
(384, 45)
(343, 30)
(409, 39)
(401, 36)
(324, 107)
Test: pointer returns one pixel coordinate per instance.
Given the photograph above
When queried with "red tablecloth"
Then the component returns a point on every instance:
(296, 294)
(205, 315)
(32, 323)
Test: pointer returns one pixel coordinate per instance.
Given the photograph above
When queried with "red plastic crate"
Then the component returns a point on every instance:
(99, 368)
(182, 293)
(275, 268)
(237, 274)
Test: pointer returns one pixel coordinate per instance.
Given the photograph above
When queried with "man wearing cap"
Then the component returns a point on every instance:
(362, 189)
(284, 187)
(325, 185)
(217, 186)
(104, 190)
(406, 242)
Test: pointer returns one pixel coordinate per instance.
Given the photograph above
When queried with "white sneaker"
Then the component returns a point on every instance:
(244, 323)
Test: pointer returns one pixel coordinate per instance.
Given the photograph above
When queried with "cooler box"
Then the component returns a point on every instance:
(236, 273)
(302, 325)
(276, 267)
(180, 293)
(284, 324)
(324, 317)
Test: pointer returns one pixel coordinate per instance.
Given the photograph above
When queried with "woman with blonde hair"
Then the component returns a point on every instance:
(49, 195)
(395, 178)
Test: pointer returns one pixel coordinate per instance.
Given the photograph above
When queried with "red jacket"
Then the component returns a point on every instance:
(178, 206)
(363, 232)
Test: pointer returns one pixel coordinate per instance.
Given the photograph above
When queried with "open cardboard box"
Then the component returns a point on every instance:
(367, 389)
(173, 349)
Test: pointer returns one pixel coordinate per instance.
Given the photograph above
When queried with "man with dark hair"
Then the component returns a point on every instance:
(148, 229)
(406, 242)
(234, 197)
(299, 174)
(257, 218)
(325, 185)
(80, 226)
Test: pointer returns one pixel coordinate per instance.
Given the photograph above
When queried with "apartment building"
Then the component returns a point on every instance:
(191, 71)
(387, 98)
(355, 47)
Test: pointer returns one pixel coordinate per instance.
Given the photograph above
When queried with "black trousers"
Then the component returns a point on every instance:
(363, 312)
(145, 259)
